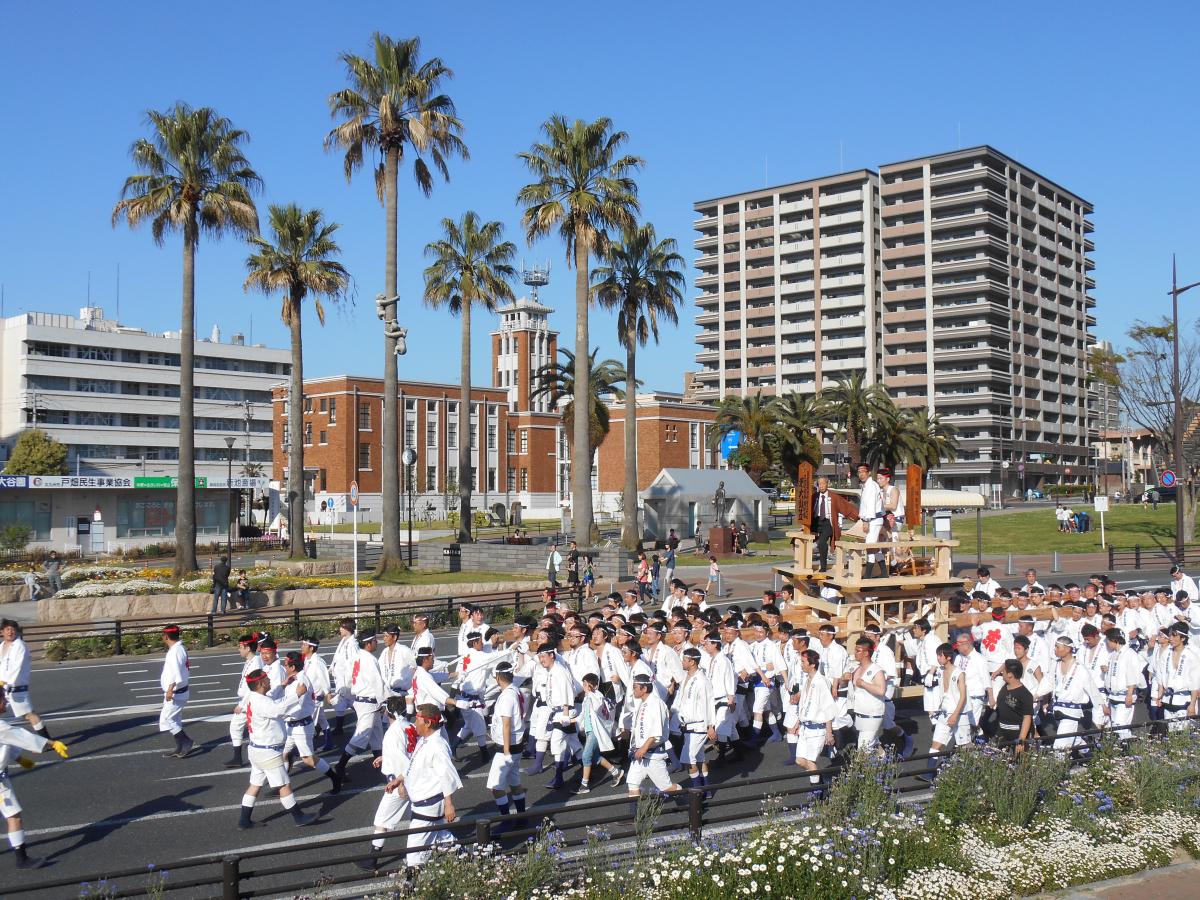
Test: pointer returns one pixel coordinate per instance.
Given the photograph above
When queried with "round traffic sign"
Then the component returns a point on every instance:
(1020, 467)
(354, 493)
(1167, 478)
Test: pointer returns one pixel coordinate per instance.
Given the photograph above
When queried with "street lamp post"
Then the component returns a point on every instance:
(409, 458)
(1177, 397)
(229, 488)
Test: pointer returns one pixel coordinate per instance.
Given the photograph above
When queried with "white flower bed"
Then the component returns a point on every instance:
(75, 574)
(116, 588)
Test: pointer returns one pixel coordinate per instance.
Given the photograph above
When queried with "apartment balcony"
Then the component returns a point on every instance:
(902, 209)
(706, 280)
(796, 307)
(795, 206)
(905, 381)
(705, 242)
(793, 268)
(850, 364)
(845, 218)
(828, 304)
(704, 222)
(708, 356)
(707, 298)
(803, 225)
(903, 337)
(902, 316)
(851, 195)
(841, 240)
(842, 281)
(857, 342)
(909, 230)
(803, 368)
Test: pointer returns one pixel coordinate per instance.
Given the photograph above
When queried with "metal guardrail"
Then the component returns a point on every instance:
(234, 875)
(1164, 556)
(284, 622)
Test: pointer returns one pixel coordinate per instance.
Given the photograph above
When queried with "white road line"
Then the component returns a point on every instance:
(133, 671)
(191, 678)
(211, 690)
(68, 667)
(154, 817)
(117, 712)
(365, 831)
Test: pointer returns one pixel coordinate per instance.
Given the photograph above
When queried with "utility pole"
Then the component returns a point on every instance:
(1182, 475)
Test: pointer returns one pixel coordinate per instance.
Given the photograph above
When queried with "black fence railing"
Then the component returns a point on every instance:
(118, 636)
(258, 873)
(1151, 557)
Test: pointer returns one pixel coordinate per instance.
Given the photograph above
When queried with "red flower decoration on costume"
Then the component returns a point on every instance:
(991, 639)
(411, 738)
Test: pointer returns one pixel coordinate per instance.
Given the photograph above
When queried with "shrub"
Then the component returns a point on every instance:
(15, 536)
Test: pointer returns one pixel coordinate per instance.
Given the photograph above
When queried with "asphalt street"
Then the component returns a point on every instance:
(117, 803)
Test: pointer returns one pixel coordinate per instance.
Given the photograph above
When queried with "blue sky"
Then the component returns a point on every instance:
(1099, 97)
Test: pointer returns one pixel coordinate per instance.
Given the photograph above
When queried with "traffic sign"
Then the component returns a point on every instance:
(354, 494)
(1167, 478)
(730, 442)
(1020, 467)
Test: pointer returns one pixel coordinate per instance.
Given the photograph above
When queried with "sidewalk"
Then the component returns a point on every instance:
(1176, 882)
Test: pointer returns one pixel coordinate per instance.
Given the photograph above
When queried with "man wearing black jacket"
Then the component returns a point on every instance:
(220, 586)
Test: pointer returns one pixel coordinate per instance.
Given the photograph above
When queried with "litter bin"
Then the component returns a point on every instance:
(310, 548)
(941, 524)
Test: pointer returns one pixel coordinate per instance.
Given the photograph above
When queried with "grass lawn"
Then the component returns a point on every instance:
(1037, 531)
(420, 576)
(773, 551)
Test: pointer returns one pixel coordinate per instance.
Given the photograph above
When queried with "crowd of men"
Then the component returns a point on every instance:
(643, 694)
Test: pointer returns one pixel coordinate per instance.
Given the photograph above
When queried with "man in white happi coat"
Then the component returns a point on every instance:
(1122, 680)
(723, 682)
(299, 724)
(978, 680)
(697, 717)
(869, 689)
(396, 663)
(815, 710)
(174, 681)
(507, 733)
(339, 670)
(870, 513)
(430, 781)
(14, 675)
(1072, 689)
(1178, 688)
(264, 723)
(317, 673)
(13, 740)
(248, 650)
(366, 689)
(560, 698)
(648, 734)
(399, 741)
(474, 672)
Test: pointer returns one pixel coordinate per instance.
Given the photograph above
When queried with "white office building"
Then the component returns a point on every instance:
(110, 393)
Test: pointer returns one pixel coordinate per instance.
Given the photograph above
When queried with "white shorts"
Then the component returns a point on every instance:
(693, 747)
(760, 699)
(652, 766)
(300, 737)
(9, 806)
(539, 723)
(170, 717)
(393, 809)
(1067, 727)
(563, 741)
(1122, 715)
(726, 724)
(868, 728)
(19, 703)
(810, 743)
(473, 724)
(420, 845)
(237, 726)
(368, 731)
(266, 767)
(503, 774)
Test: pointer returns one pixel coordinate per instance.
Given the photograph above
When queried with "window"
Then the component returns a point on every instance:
(452, 408)
(510, 480)
(474, 436)
(323, 437)
(491, 482)
(452, 478)
(512, 443)
(131, 356)
(286, 434)
(308, 404)
(474, 410)
(410, 406)
(431, 478)
(95, 418)
(491, 433)
(451, 435)
(131, 420)
(308, 434)
(104, 354)
(332, 410)
(524, 479)
(694, 436)
(431, 429)
(324, 405)
(431, 407)
(364, 416)
(364, 456)
(95, 386)
(410, 431)
(524, 440)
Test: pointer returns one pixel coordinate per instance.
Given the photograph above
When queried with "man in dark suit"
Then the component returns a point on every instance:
(826, 507)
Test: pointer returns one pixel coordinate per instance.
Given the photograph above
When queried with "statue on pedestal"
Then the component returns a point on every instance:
(719, 504)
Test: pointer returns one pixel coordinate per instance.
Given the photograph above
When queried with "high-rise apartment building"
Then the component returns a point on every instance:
(986, 313)
(960, 281)
(789, 285)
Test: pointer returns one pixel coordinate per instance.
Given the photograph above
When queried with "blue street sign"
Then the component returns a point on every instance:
(1167, 478)
(730, 442)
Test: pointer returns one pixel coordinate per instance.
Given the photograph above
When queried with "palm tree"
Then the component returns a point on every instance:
(557, 379)
(888, 441)
(799, 421)
(933, 440)
(754, 419)
(853, 404)
(471, 266)
(583, 189)
(642, 282)
(193, 178)
(297, 262)
(392, 106)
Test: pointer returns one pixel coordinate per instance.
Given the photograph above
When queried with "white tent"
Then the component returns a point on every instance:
(683, 499)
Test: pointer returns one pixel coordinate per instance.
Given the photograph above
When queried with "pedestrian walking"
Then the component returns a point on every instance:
(399, 741)
(32, 588)
(508, 734)
(248, 650)
(174, 681)
(220, 586)
(366, 688)
(431, 781)
(53, 569)
(299, 725)
(12, 740)
(553, 563)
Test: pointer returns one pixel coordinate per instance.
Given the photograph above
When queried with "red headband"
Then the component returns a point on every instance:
(254, 679)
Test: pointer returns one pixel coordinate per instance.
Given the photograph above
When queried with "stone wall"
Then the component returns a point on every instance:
(167, 606)
(610, 563)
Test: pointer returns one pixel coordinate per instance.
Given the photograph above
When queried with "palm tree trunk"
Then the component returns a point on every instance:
(581, 457)
(631, 538)
(391, 558)
(185, 494)
(295, 495)
(465, 483)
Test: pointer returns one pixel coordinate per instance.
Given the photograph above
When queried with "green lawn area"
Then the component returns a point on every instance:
(1037, 531)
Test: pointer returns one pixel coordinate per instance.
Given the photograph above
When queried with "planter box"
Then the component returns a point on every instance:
(169, 606)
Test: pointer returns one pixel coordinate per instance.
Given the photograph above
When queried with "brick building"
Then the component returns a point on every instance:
(671, 434)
